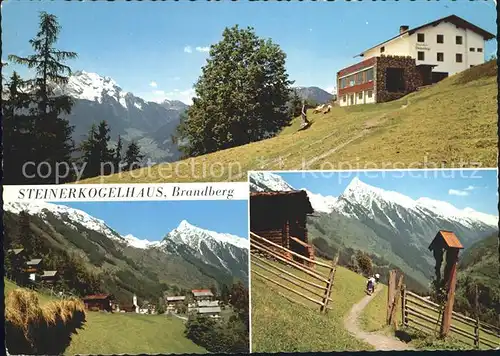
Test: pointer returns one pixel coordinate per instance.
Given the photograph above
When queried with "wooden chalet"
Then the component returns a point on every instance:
(281, 217)
(49, 277)
(202, 294)
(174, 303)
(98, 302)
(33, 268)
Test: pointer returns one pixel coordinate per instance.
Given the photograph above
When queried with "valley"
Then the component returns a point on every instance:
(187, 257)
(393, 229)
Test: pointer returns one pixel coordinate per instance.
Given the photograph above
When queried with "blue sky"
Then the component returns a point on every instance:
(152, 220)
(476, 189)
(156, 49)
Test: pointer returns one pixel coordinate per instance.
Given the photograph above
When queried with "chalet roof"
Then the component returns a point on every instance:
(34, 262)
(454, 19)
(97, 297)
(208, 303)
(49, 274)
(206, 310)
(15, 251)
(176, 298)
(202, 293)
(449, 238)
(298, 196)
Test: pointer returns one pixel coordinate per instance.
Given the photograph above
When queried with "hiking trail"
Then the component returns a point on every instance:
(379, 341)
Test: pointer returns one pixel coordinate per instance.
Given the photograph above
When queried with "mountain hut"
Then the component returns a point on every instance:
(281, 217)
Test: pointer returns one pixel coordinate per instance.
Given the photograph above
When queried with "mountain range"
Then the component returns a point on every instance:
(187, 257)
(149, 124)
(387, 224)
(314, 94)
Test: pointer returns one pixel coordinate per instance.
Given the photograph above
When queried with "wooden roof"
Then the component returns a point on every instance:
(202, 293)
(449, 238)
(34, 262)
(297, 196)
(47, 274)
(97, 297)
(454, 19)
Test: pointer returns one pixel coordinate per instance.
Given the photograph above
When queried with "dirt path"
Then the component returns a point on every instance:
(379, 341)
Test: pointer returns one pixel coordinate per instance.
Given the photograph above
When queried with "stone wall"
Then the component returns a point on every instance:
(411, 77)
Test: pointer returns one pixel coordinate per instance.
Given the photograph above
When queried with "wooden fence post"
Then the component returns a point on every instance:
(404, 315)
(397, 295)
(391, 289)
(329, 284)
(448, 309)
(476, 327)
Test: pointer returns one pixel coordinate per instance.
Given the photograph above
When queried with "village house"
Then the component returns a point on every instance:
(33, 269)
(17, 259)
(413, 58)
(202, 294)
(49, 277)
(98, 302)
(174, 303)
(281, 218)
(213, 312)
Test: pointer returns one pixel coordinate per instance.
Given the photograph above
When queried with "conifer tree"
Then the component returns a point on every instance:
(118, 154)
(52, 134)
(133, 157)
(17, 123)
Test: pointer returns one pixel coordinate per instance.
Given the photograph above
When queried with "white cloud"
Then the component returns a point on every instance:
(158, 92)
(188, 49)
(460, 193)
(471, 187)
(203, 49)
(186, 96)
(176, 78)
(153, 84)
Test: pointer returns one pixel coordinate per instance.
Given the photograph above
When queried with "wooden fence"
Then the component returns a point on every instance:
(426, 316)
(301, 276)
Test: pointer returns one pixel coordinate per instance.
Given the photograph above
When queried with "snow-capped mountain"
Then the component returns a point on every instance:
(268, 182)
(198, 246)
(150, 124)
(387, 220)
(222, 251)
(71, 217)
(373, 200)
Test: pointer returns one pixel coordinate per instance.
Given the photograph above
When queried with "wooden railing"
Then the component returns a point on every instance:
(315, 287)
(426, 316)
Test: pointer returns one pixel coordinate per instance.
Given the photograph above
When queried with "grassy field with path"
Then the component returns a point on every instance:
(281, 325)
(452, 124)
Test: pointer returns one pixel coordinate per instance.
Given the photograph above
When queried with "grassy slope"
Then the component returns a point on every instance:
(451, 124)
(125, 333)
(280, 325)
(10, 286)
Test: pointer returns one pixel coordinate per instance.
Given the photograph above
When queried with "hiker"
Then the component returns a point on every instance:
(370, 285)
(305, 122)
(372, 281)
